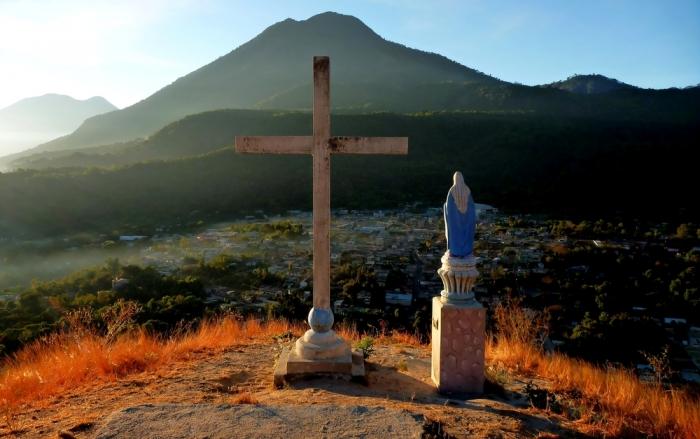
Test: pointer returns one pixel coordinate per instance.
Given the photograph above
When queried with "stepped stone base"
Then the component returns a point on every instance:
(458, 341)
(291, 366)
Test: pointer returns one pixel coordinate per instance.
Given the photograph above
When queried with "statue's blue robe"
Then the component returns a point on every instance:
(460, 227)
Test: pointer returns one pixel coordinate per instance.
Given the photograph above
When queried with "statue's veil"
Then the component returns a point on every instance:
(460, 192)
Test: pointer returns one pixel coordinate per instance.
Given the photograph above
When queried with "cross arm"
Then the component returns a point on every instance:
(369, 145)
(274, 144)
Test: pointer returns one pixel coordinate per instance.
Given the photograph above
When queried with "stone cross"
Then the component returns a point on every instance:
(320, 342)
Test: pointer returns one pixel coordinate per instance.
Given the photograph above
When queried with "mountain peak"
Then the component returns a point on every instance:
(592, 83)
(323, 24)
(326, 18)
(330, 17)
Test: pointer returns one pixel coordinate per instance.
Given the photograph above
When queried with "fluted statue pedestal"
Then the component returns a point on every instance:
(320, 351)
(458, 329)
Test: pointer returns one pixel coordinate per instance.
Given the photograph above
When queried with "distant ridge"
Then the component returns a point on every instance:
(31, 121)
(51, 112)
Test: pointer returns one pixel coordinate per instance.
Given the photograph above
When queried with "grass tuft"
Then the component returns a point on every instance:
(244, 398)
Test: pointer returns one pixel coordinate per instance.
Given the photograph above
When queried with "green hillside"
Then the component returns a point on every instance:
(533, 163)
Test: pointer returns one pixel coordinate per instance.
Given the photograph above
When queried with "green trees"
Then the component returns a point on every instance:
(353, 279)
(161, 301)
(24, 320)
(172, 310)
(395, 279)
(615, 338)
(272, 230)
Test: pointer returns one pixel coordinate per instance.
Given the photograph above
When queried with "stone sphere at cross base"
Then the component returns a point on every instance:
(321, 319)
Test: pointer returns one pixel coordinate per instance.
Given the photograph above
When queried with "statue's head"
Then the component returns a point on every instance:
(460, 191)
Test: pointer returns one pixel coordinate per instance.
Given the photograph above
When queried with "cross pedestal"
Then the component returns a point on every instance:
(320, 349)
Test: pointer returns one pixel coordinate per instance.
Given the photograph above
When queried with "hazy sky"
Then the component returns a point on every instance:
(125, 50)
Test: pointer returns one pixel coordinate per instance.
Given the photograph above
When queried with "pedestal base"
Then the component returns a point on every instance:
(321, 346)
(292, 366)
(458, 341)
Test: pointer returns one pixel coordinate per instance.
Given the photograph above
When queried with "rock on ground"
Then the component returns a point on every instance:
(256, 421)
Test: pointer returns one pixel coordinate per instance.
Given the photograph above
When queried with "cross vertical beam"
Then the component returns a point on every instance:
(321, 184)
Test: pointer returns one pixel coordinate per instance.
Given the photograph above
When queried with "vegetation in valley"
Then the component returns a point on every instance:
(163, 301)
(614, 291)
(606, 299)
(271, 230)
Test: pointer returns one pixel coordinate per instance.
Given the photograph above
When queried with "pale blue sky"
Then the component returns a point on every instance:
(126, 50)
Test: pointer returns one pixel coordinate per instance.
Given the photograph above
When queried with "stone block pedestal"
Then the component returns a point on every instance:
(291, 366)
(458, 342)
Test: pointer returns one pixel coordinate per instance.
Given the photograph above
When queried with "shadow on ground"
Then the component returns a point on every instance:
(412, 386)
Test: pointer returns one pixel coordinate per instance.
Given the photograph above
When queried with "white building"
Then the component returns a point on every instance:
(131, 238)
(398, 298)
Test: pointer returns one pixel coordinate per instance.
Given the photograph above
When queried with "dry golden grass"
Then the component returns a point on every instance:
(67, 360)
(626, 404)
(405, 338)
(350, 332)
(244, 398)
(612, 401)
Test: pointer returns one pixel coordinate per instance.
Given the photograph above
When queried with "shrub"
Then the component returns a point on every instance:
(366, 345)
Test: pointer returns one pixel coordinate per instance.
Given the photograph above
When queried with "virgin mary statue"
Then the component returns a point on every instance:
(460, 218)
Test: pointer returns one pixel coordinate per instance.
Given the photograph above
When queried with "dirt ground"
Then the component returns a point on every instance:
(398, 377)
